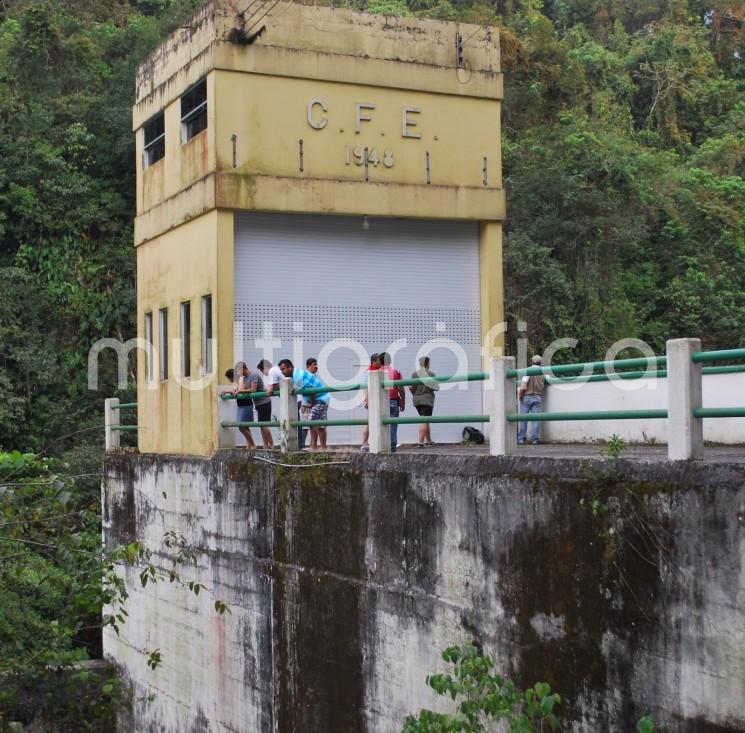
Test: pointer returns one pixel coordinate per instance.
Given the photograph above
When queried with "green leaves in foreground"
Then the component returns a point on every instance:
(647, 725)
(484, 697)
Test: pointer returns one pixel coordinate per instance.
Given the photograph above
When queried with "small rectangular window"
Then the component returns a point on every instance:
(207, 334)
(149, 346)
(194, 111)
(163, 342)
(186, 339)
(154, 134)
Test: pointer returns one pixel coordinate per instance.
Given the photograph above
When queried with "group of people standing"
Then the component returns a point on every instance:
(423, 397)
(265, 379)
(264, 382)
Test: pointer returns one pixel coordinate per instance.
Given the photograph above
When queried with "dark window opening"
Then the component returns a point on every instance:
(155, 140)
(163, 342)
(207, 334)
(149, 346)
(186, 339)
(194, 111)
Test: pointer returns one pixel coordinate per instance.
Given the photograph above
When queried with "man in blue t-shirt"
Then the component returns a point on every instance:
(319, 403)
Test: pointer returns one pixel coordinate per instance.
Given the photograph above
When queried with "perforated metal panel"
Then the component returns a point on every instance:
(407, 286)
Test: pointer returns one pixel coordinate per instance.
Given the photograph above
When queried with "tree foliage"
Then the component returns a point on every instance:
(484, 699)
(66, 203)
(53, 583)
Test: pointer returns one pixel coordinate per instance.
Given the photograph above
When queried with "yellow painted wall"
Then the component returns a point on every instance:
(261, 93)
(184, 264)
(492, 289)
(184, 163)
(270, 117)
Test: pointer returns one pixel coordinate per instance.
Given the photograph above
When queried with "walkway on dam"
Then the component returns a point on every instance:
(714, 453)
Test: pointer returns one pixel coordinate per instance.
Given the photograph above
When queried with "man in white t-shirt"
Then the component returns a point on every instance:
(273, 375)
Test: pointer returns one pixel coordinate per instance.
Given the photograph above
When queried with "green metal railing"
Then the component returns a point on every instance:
(324, 389)
(413, 381)
(250, 424)
(246, 395)
(591, 415)
(592, 366)
(702, 412)
(721, 355)
(718, 412)
(125, 428)
(646, 374)
(433, 419)
(339, 422)
(638, 368)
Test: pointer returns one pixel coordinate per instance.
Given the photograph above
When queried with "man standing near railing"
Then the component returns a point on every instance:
(273, 378)
(397, 395)
(306, 379)
(531, 397)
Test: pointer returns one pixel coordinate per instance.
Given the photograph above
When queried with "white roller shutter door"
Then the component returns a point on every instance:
(324, 286)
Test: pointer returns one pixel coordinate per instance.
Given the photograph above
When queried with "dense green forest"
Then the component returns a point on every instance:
(624, 162)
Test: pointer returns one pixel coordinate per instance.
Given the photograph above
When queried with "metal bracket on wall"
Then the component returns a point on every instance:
(234, 141)
(486, 176)
(429, 177)
(459, 59)
(302, 154)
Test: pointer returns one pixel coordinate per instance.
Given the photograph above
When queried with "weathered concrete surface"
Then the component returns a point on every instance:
(345, 582)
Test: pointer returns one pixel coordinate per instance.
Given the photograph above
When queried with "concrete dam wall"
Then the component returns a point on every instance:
(619, 583)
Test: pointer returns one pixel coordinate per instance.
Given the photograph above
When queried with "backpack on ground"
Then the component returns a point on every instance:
(473, 435)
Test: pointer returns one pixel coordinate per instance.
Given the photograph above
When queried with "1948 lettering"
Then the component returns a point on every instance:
(359, 154)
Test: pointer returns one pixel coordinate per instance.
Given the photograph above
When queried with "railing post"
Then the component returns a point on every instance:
(685, 433)
(288, 441)
(501, 396)
(225, 412)
(378, 407)
(111, 419)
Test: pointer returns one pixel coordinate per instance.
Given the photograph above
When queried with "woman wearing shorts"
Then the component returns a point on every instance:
(262, 405)
(245, 404)
(424, 398)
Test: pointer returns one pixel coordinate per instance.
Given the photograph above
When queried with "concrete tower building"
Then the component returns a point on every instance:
(330, 188)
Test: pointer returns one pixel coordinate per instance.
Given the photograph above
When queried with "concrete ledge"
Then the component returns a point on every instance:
(318, 195)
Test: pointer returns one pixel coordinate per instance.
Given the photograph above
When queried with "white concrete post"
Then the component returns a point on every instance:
(288, 441)
(378, 407)
(111, 418)
(226, 437)
(685, 433)
(502, 401)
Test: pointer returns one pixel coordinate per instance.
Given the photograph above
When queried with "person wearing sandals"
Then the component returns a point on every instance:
(244, 403)
(424, 398)
(262, 405)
